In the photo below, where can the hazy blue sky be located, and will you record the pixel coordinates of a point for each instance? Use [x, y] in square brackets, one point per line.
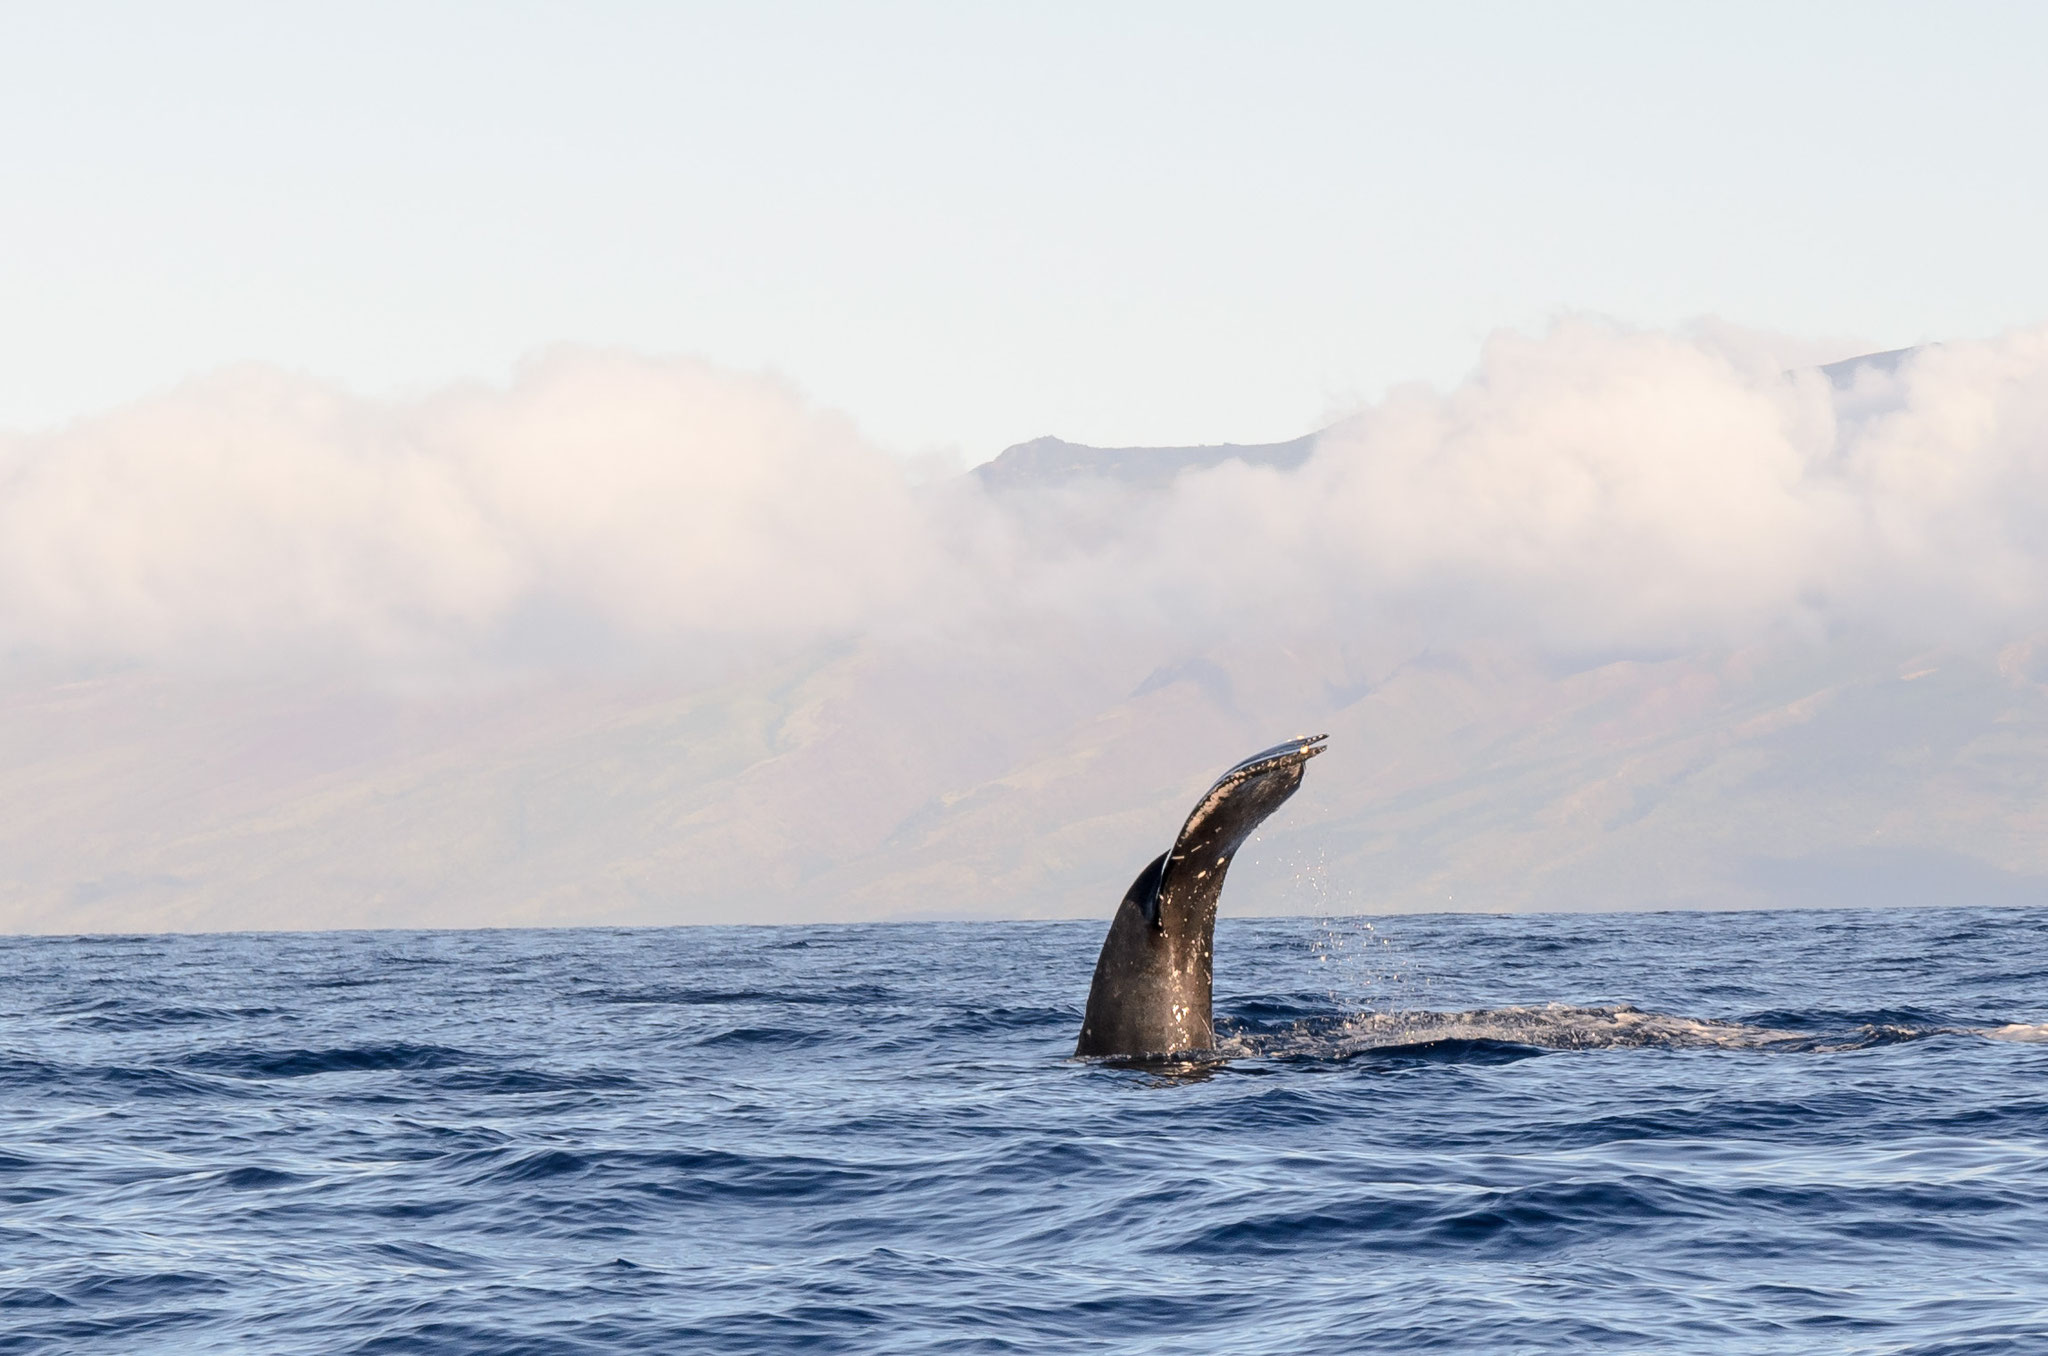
[970, 224]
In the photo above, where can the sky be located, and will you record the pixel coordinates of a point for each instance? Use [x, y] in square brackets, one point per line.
[490, 464]
[962, 226]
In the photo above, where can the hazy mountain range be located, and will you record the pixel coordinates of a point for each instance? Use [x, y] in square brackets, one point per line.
[889, 774]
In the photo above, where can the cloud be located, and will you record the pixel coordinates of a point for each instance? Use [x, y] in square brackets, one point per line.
[262, 518]
[1604, 488]
[1592, 487]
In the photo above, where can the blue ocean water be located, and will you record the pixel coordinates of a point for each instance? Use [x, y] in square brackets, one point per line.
[1760, 1132]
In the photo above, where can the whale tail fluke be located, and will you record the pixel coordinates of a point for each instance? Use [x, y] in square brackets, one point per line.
[1151, 993]
[1241, 800]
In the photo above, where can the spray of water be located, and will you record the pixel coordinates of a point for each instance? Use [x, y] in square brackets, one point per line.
[1364, 967]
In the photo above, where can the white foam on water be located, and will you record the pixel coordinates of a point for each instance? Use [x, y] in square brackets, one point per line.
[2024, 1032]
[1550, 1026]
[1564, 1026]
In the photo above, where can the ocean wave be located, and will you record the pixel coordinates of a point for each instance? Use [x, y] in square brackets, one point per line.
[264, 1062]
[680, 1140]
[114, 1015]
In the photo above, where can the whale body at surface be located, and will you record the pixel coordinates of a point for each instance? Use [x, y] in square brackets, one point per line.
[1151, 994]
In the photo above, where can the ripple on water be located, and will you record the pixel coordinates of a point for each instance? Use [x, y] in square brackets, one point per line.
[1670, 1133]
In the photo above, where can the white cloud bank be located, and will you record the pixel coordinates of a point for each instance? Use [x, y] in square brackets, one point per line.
[258, 518]
[1593, 488]
[1601, 489]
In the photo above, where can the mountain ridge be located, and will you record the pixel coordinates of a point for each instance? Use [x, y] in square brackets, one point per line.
[1047, 461]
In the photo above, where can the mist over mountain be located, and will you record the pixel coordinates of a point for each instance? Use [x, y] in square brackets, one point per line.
[1626, 620]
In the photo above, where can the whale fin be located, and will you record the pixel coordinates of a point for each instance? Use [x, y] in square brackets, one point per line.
[1151, 993]
[1231, 811]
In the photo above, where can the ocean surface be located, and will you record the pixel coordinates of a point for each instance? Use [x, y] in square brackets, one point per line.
[1757, 1132]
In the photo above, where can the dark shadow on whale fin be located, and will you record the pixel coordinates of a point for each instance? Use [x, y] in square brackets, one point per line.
[1144, 892]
